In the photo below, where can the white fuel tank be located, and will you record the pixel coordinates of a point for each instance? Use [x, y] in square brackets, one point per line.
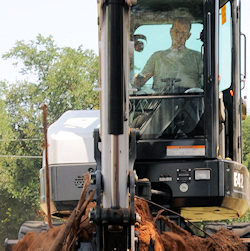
[70, 138]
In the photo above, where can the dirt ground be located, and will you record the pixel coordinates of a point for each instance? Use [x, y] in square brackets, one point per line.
[179, 239]
[176, 240]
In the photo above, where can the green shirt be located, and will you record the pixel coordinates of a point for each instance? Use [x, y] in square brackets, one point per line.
[184, 65]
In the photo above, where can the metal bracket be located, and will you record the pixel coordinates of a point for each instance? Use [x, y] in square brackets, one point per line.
[97, 179]
[131, 178]
[97, 153]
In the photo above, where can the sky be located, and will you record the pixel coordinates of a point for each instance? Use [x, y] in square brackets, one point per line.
[71, 23]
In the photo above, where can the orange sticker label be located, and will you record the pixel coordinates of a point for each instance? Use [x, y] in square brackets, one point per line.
[224, 14]
[181, 147]
[193, 150]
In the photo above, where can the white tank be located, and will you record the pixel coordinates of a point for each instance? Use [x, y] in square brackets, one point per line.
[70, 138]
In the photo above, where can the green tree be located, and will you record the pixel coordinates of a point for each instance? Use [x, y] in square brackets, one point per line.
[65, 78]
[70, 82]
[36, 56]
[18, 200]
[246, 142]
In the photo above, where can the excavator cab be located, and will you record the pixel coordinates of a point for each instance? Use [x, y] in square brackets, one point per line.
[185, 102]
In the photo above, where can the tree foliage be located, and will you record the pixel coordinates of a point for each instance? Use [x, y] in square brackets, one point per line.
[246, 142]
[36, 56]
[65, 78]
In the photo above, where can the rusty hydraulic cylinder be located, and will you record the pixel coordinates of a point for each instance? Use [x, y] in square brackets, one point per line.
[46, 165]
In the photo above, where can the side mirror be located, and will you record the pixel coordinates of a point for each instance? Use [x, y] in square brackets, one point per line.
[243, 109]
[140, 41]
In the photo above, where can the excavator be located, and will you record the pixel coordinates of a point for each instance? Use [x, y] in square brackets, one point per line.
[169, 125]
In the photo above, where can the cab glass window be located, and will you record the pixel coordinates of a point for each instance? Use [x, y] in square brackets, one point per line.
[166, 69]
[225, 47]
[151, 39]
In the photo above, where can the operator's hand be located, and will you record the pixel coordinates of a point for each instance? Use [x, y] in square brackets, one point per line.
[138, 80]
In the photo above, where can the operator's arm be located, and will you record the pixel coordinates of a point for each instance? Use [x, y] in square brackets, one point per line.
[140, 79]
[147, 72]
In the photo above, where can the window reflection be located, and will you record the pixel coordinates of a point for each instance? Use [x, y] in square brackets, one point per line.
[168, 118]
[172, 66]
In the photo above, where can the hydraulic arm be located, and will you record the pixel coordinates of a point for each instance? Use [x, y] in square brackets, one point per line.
[116, 217]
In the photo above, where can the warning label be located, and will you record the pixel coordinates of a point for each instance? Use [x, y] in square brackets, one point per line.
[195, 150]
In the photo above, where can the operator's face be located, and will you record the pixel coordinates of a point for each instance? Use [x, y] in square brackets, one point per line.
[180, 33]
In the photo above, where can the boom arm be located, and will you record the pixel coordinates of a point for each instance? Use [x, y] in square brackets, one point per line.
[116, 218]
